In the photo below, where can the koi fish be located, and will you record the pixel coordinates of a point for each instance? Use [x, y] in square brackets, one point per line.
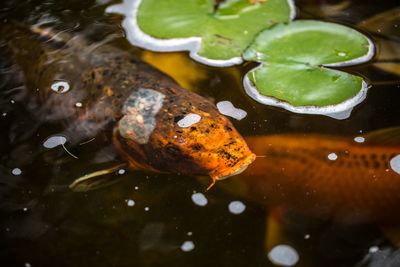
[327, 176]
[93, 88]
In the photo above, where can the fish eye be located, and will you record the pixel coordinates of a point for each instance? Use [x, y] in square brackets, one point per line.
[60, 87]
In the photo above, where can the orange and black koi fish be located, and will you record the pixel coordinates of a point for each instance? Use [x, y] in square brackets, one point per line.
[327, 176]
[95, 87]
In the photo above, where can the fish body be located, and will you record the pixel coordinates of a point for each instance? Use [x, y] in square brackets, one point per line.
[95, 87]
[325, 176]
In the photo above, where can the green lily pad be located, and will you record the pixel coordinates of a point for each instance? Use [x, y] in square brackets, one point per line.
[294, 73]
[215, 35]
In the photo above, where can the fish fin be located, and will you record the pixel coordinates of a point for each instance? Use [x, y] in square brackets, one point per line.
[96, 180]
[212, 184]
[387, 136]
[273, 228]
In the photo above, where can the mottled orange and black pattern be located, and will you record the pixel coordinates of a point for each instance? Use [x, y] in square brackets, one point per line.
[102, 78]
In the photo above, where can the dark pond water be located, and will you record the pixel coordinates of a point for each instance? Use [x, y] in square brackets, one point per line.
[169, 220]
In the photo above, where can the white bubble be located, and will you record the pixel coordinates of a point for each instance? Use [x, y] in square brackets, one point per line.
[199, 199]
[136, 187]
[16, 171]
[189, 120]
[332, 156]
[359, 139]
[60, 87]
[307, 236]
[78, 104]
[187, 246]
[4, 114]
[283, 255]
[236, 207]
[227, 108]
[395, 164]
[130, 203]
[55, 140]
[121, 171]
[146, 208]
[373, 249]
[25, 209]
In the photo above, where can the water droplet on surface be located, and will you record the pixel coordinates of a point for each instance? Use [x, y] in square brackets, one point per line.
[55, 140]
[332, 156]
[227, 108]
[373, 249]
[60, 87]
[395, 164]
[121, 171]
[130, 203]
[236, 207]
[78, 104]
[283, 255]
[359, 139]
[199, 199]
[342, 54]
[189, 120]
[16, 171]
[187, 246]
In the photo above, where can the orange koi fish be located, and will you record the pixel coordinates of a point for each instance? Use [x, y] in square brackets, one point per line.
[101, 88]
[328, 176]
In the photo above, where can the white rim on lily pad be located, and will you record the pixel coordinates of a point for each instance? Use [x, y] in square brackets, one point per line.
[340, 111]
[137, 37]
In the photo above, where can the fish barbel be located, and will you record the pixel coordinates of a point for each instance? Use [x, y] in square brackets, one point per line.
[327, 176]
[96, 87]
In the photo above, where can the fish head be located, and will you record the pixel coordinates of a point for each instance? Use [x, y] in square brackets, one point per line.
[180, 133]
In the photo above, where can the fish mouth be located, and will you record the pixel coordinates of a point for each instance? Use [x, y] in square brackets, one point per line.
[218, 175]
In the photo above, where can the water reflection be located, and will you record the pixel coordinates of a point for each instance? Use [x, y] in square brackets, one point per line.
[199, 199]
[228, 109]
[187, 246]
[236, 207]
[395, 164]
[283, 255]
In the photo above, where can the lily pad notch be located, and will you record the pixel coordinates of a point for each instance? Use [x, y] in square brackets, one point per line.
[192, 22]
[296, 68]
